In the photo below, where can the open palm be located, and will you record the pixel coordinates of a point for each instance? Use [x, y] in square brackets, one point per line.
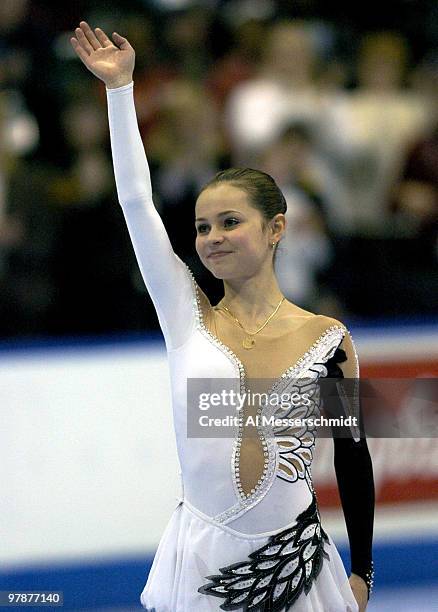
[112, 62]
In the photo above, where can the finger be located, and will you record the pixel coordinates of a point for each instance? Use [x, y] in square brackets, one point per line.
[91, 36]
[103, 38]
[82, 54]
[121, 42]
[83, 41]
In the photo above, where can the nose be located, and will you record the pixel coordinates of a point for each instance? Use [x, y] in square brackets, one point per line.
[215, 236]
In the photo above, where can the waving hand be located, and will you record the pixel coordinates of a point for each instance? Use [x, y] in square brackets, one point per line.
[112, 62]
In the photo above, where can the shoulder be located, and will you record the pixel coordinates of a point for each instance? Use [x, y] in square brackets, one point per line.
[326, 323]
[312, 318]
[323, 324]
[312, 324]
[350, 367]
[318, 325]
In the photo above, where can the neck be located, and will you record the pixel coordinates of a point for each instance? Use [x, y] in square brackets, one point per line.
[252, 300]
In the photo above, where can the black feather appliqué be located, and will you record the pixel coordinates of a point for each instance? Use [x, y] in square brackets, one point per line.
[278, 572]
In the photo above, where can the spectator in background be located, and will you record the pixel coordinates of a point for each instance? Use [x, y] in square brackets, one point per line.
[414, 203]
[285, 89]
[25, 284]
[366, 134]
[90, 235]
[356, 177]
[154, 69]
[186, 149]
[414, 212]
[240, 62]
[188, 41]
[11, 230]
[28, 230]
[28, 70]
[20, 134]
[306, 250]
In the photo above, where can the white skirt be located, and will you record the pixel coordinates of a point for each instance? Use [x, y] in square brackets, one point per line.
[193, 547]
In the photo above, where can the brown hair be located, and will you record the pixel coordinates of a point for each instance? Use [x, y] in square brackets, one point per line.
[264, 193]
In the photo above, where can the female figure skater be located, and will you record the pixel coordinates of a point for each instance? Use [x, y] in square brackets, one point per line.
[247, 534]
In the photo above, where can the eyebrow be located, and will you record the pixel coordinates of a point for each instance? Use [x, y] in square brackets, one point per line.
[226, 212]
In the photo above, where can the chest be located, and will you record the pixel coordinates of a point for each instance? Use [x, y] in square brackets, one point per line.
[267, 354]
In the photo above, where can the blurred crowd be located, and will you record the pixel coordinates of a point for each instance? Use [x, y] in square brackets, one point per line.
[342, 112]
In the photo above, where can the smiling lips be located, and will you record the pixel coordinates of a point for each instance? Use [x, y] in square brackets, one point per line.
[218, 254]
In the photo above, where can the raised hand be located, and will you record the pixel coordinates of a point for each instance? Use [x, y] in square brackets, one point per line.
[112, 62]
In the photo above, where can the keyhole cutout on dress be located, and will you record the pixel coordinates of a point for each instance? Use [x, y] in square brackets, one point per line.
[276, 351]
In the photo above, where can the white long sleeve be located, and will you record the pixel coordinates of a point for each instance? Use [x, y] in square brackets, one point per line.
[166, 277]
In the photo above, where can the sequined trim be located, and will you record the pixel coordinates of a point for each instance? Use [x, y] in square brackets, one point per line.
[369, 579]
[325, 341]
[245, 501]
[324, 346]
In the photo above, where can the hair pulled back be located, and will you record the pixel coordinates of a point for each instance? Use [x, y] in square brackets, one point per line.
[264, 193]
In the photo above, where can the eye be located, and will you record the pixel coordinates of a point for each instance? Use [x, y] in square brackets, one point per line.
[230, 221]
[202, 228]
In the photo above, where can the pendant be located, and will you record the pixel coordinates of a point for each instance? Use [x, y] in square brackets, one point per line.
[248, 342]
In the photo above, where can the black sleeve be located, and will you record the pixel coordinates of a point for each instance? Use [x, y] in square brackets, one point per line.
[354, 474]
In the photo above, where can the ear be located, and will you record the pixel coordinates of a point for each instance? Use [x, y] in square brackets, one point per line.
[278, 225]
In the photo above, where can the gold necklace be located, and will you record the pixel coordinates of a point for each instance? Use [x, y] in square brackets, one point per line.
[249, 341]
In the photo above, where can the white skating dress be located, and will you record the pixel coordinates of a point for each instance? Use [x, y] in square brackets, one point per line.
[225, 548]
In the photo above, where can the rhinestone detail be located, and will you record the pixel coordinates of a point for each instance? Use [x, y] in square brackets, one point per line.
[369, 579]
[246, 501]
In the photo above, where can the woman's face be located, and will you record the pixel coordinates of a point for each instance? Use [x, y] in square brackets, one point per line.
[231, 239]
